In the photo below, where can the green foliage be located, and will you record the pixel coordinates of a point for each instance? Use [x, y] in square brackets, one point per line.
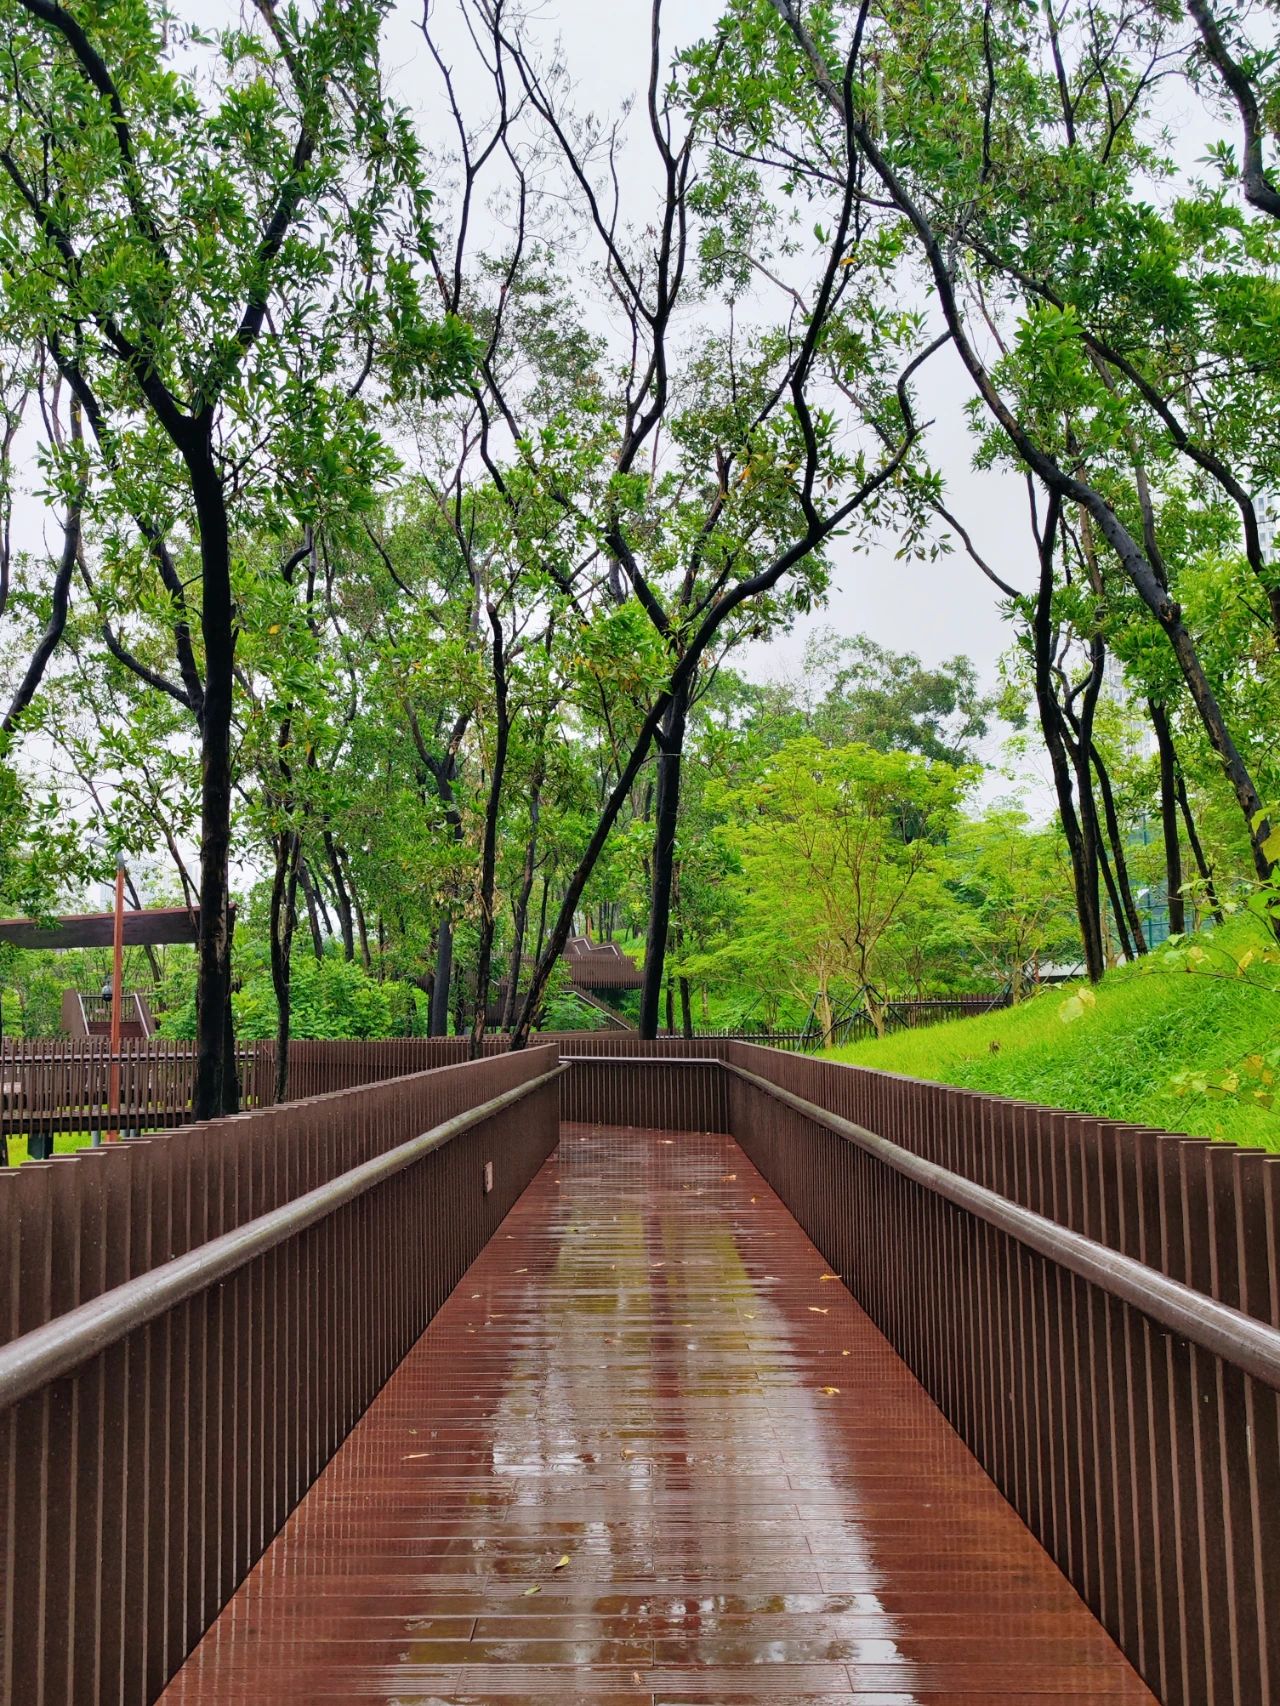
[1153, 1045]
[331, 997]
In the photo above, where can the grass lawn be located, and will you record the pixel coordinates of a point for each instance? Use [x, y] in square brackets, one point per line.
[1120, 1056]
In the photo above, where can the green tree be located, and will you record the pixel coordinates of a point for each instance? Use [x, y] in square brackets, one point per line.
[832, 844]
[214, 264]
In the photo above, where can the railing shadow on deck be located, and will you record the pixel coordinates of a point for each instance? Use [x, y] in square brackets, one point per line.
[1093, 1306]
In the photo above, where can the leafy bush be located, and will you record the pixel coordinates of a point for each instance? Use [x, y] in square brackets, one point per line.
[330, 998]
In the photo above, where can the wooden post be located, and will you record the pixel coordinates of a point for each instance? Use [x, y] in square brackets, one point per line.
[112, 1134]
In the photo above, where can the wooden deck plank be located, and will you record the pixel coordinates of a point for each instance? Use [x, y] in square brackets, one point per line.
[651, 1452]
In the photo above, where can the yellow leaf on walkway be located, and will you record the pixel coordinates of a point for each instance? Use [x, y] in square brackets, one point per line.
[831, 1391]
[562, 1561]
[534, 1589]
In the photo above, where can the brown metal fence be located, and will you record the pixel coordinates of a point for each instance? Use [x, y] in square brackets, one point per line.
[1028, 1285]
[675, 1092]
[198, 1320]
[61, 1086]
[1094, 1306]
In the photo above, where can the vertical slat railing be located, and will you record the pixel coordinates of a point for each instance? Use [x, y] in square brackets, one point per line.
[1147, 1464]
[160, 1416]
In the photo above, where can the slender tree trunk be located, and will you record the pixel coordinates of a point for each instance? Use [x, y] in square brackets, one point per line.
[342, 900]
[1084, 869]
[284, 912]
[442, 772]
[489, 850]
[215, 1091]
[439, 1022]
[826, 1018]
[1197, 850]
[671, 1011]
[686, 1010]
[1169, 818]
[542, 920]
[1121, 863]
[670, 743]
[1113, 895]
[520, 908]
[361, 929]
[313, 909]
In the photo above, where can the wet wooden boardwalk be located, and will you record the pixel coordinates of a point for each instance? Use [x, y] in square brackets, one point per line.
[651, 1451]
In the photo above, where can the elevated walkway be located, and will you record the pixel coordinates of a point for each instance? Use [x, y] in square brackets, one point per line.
[651, 1451]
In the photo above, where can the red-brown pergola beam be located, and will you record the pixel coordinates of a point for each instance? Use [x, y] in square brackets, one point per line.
[153, 927]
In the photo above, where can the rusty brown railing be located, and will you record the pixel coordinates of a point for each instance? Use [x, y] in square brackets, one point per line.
[1095, 1309]
[1094, 1306]
[659, 1092]
[60, 1086]
[196, 1322]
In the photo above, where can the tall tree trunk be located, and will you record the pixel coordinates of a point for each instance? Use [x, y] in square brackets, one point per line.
[1197, 850]
[213, 1093]
[542, 920]
[284, 913]
[489, 850]
[342, 900]
[1083, 866]
[520, 908]
[439, 1021]
[442, 772]
[1116, 837]
[1169, 818]
[686, 1010]
[670, 743]
[671, 1011]
[313, 909]
[361, 928]
[1113, 895]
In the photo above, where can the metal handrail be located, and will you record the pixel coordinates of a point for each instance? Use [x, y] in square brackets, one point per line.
[1249, 1345]
[47, 1353]
[640, 1060]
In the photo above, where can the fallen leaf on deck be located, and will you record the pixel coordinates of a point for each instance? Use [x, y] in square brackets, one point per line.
[534, 1589]
[747, 1317]
[828, 1276]
[562, 1561]
[831, 1391]
[411, 1455]
[814, 1310]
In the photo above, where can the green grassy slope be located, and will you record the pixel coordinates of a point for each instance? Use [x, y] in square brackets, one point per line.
[1119, 1058]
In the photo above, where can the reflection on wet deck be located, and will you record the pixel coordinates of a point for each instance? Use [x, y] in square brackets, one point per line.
[651, 1451]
